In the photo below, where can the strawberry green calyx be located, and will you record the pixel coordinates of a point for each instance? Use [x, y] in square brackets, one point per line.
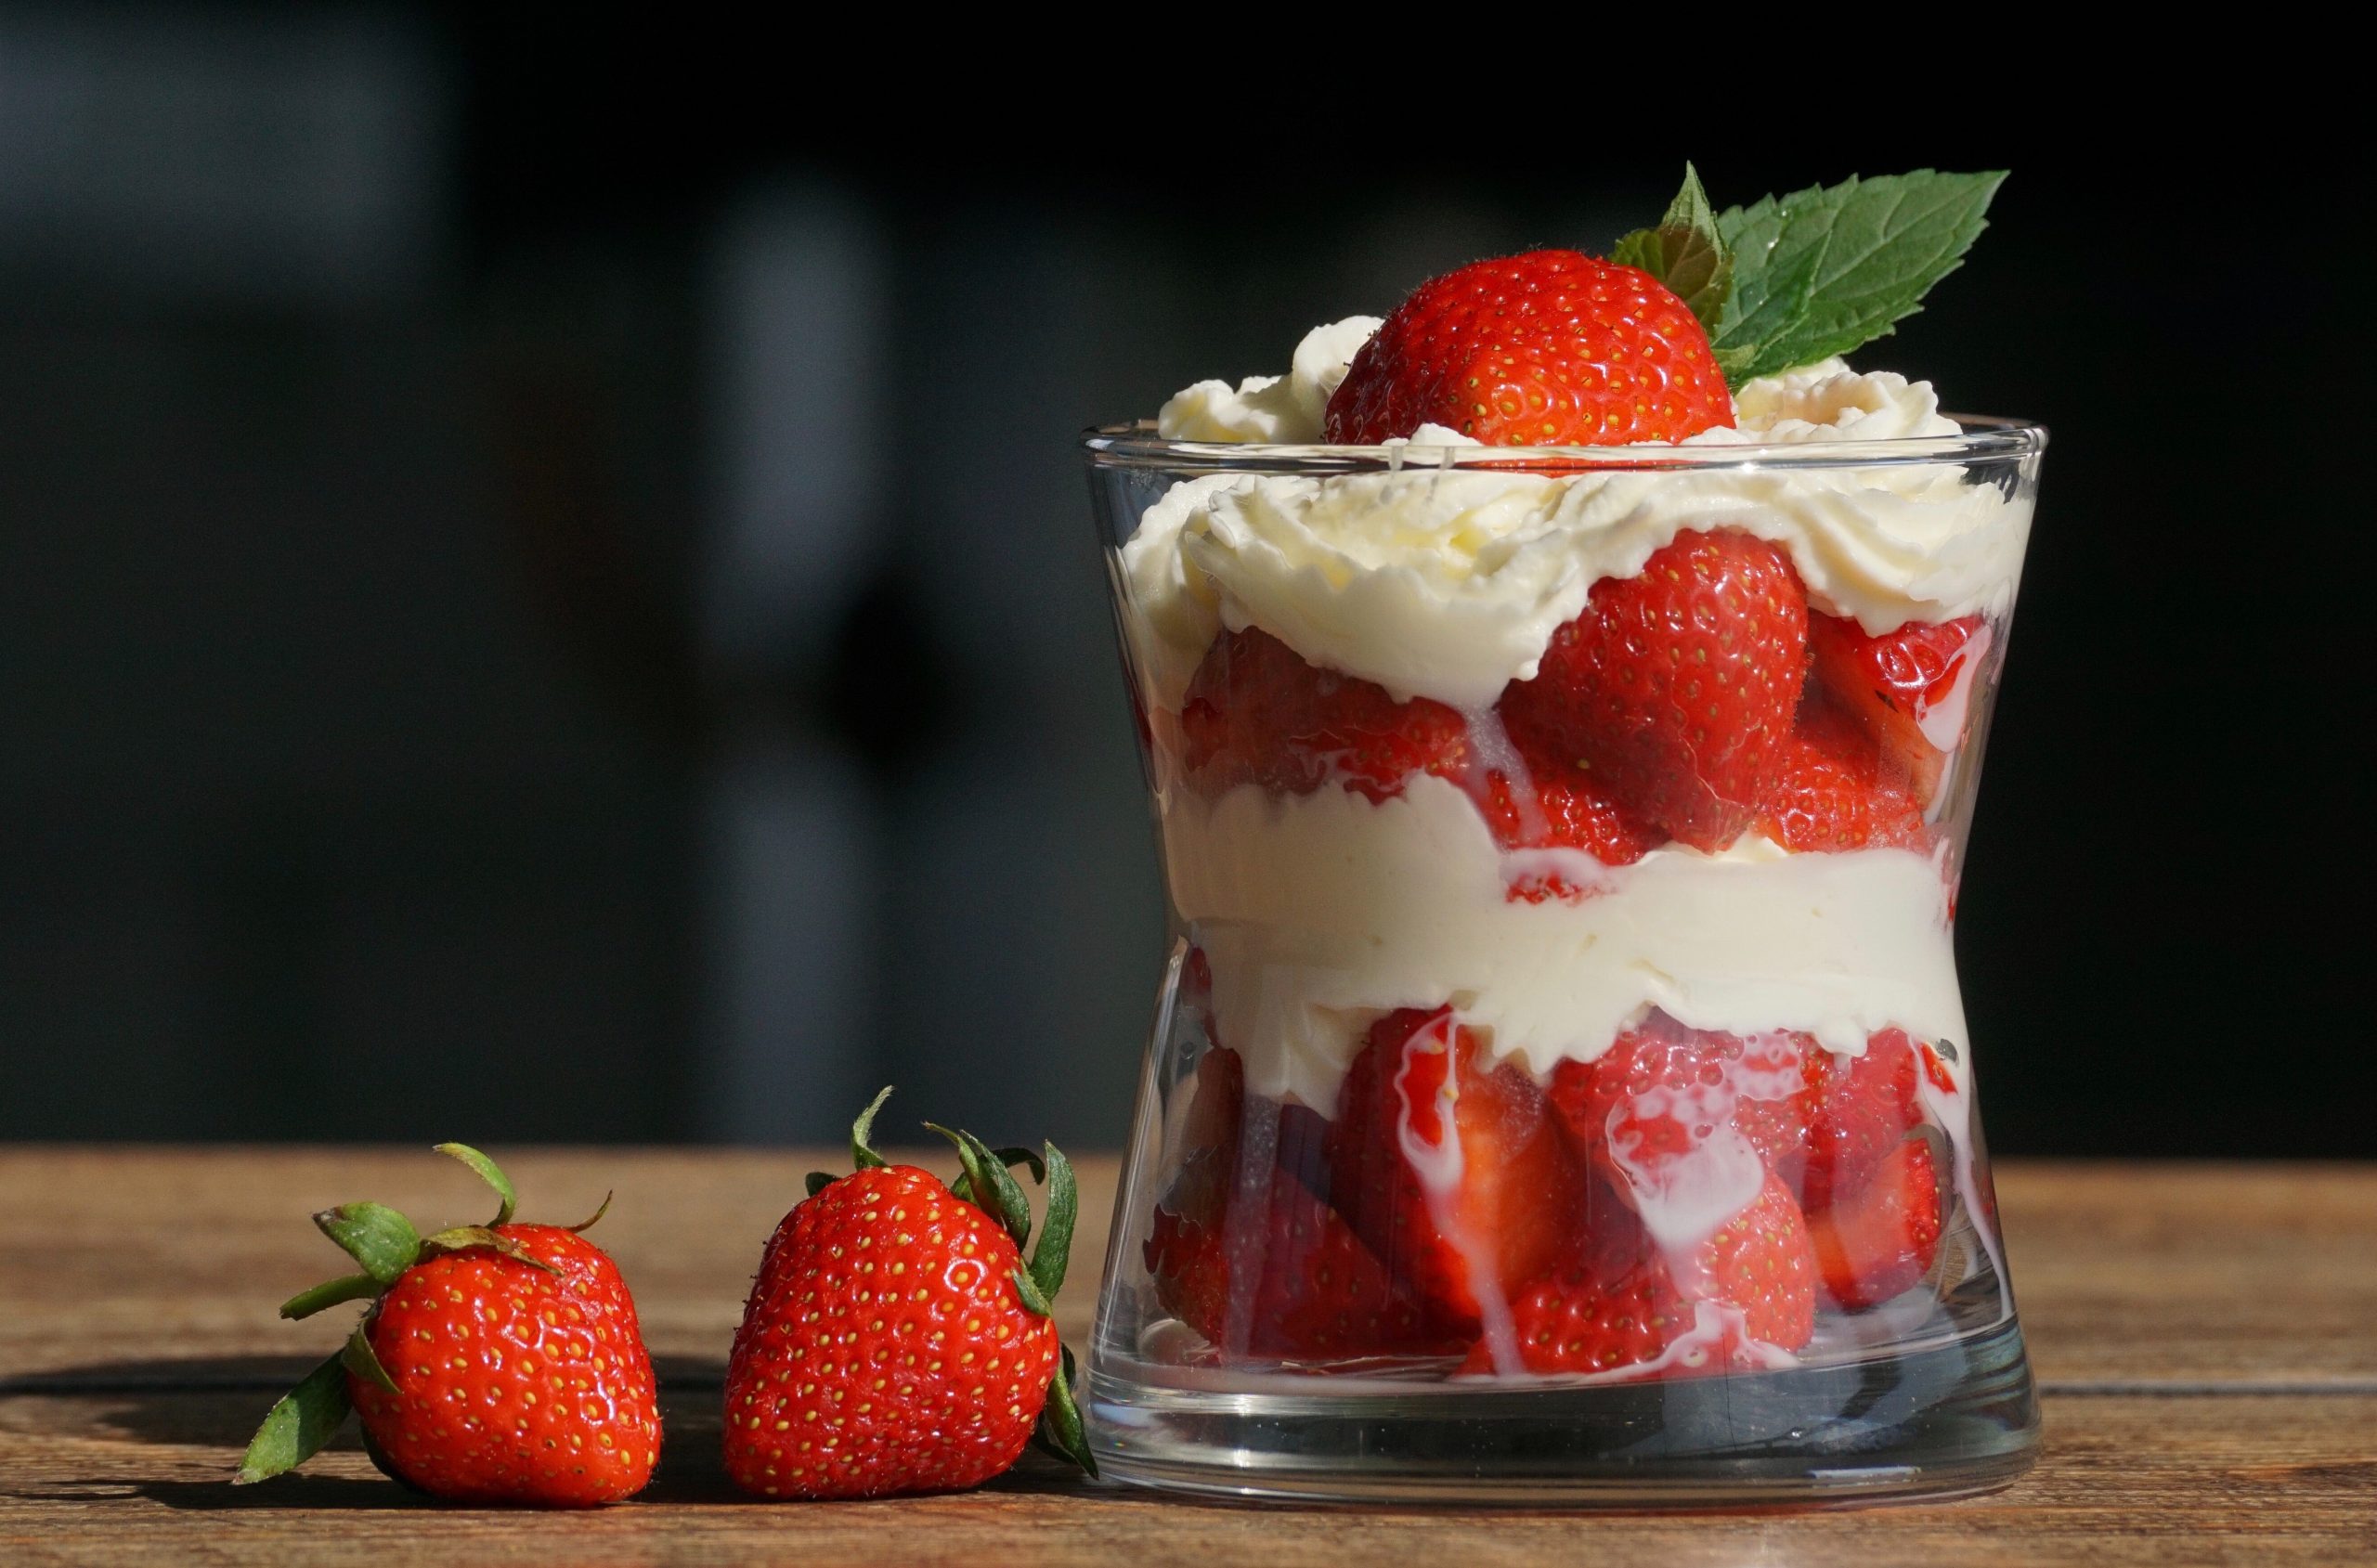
[1794, 280]
[383, 1244]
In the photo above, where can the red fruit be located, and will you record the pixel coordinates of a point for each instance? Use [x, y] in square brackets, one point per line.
[513, 1385]
[1908, 688]
[1880, 1242]
[1662, 1090]
[497, 1364]
[1676, 688]
[1509, 1188]
[1762, 1261]
[892, 1343]
[1597, 1314]
[1575, 1322]
[1864, 1108]
[1559, 808]
[1547, 349]
[1284, 1278]
[1831, 792]
[1257, 713]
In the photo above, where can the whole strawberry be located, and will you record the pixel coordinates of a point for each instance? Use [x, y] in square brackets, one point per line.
[1676, 688]
[498, 1364]
[896, 1338]
[1552, 348]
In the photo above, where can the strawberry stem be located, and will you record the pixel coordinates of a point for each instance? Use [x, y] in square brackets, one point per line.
[351, 1287]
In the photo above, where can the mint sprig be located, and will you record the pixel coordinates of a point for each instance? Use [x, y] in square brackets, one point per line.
[1686, 252]
[1800, 278]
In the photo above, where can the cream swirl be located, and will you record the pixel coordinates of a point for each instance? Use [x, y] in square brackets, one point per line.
[1448, 582]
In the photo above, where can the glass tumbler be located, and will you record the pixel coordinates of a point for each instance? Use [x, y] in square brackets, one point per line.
[1558, 1089]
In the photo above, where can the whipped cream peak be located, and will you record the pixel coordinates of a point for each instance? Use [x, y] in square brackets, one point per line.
[1275, 410]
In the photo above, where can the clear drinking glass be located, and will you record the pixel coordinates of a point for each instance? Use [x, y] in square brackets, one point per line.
[1484, 1151]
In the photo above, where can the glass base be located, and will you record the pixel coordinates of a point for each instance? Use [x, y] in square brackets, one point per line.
[1938, 1422]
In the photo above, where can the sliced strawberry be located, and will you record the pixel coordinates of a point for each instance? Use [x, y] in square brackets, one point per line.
[1663, 1090]
[1909, 689]
[1257, 713]
[1676, 688]
[1549, 348]
[1285, 1278]
[1864, 1108]
[1880, 1242]
[1831, 791]
[1439, 1159]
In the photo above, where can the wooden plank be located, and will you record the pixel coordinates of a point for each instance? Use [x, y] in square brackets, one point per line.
[115, 1260]
[2153, 1481]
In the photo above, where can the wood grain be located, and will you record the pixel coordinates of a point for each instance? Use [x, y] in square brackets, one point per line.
[137, 1347]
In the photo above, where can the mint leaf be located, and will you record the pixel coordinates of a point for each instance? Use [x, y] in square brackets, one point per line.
[1830, 268]
[1686, 252]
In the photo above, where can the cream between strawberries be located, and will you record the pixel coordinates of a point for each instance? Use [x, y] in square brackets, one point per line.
[1319, 912]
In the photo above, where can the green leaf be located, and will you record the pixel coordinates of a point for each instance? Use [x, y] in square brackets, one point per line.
[819, 1181]
[1060, 1432]
[382, 1242]
[360, 1359]
[507, 1202]
[1056, 1244]
[1011, 1158]
[1686, 252]
[1028, 1290]
[295, 1429]
[988, 1186]
[1828, 269]
[862, 1157]
[352, 1287]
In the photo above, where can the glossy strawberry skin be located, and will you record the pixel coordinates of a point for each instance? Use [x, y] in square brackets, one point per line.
[885, 1348]
[1520, 1189]
[513, 1384]
[1762, 1261]
[1879, 1241]
[1889, 685]
[1548, 348]
[1677, 688]
[1832, 791]
[1578, 1322]
[1559, 807]
[1257, 713]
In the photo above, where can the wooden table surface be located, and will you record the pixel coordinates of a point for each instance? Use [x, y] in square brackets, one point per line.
[2205, 1338]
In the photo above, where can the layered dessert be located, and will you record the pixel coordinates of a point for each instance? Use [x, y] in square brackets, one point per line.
[1562, 752]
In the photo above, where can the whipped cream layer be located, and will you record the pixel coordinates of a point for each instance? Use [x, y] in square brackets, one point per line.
[1322, 911]
[1449, 583]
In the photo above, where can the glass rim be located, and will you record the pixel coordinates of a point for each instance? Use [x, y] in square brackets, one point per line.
[1135, 444]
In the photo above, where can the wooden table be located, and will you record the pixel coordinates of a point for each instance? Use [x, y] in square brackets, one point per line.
[2206, 1338]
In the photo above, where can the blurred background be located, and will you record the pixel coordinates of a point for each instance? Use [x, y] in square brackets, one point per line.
[555, 595]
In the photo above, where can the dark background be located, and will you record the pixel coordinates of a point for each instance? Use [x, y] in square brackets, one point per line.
[545, 591]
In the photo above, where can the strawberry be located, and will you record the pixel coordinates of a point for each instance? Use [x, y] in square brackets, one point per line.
[1676, 688]
[1831, 791]
[1559, 807]
[1864, 1107]
[1661, 1090]
[1257, 713]
[1880, 1242]
[1909, 689]
[1283, 1277]
[1548, 349]
[897, 1339]
[497, 1364]
[1605, 1312]
[1420, 1109]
